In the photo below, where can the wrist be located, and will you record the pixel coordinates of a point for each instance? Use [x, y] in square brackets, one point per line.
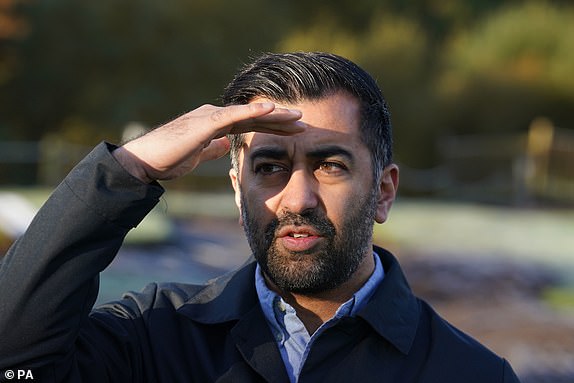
[132, 164]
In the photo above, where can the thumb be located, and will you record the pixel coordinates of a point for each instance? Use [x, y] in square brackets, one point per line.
[217, 148]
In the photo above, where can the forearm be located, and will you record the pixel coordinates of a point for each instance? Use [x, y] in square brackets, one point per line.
[48, 279]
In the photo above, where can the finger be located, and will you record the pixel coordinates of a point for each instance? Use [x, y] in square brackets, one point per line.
[234, 113]
[278, 128]
[280, 115]
[216, 149]
[281, 121]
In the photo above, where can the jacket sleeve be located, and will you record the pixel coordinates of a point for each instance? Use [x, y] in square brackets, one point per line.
[49, 277]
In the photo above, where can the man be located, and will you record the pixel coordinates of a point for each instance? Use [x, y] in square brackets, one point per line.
[312, 171]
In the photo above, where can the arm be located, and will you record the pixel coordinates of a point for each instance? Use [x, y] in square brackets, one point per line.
[49, 278]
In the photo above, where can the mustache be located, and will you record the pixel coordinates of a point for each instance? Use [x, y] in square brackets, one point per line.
[321, 224]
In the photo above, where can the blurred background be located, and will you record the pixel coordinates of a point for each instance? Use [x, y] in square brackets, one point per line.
[482, 100]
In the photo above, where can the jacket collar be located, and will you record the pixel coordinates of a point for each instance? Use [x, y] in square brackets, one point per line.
[225, 298]
[393, 311]
[233, 298]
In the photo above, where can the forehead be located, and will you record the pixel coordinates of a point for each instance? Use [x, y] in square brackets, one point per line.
[332, 120]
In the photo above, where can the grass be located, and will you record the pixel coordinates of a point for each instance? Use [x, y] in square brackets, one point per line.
[462, 229]
[414, 226]
[561, 297]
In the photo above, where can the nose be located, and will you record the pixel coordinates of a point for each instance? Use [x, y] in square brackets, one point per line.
[300, 193]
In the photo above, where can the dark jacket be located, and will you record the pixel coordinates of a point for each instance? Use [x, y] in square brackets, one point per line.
[191, 333]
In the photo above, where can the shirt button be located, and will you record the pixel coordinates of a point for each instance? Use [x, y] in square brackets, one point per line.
[281, 306]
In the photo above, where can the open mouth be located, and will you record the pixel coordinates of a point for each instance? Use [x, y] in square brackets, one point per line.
[299, 238]
[298, 232]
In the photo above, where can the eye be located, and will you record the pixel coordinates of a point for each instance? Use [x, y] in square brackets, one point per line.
[268, 169]
[332, 168]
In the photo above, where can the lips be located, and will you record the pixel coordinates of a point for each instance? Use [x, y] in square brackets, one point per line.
[298, 231]
[299, 238]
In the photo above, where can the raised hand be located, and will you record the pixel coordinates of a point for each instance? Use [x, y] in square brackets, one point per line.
[177, 147]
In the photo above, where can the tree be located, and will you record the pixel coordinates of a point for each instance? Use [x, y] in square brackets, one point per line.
[510, 68]
[88, 68]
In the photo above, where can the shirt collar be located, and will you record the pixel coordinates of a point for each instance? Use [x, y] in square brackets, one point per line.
[393, 311]
[268, 298]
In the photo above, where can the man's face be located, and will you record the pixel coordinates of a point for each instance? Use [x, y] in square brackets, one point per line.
[308, 202]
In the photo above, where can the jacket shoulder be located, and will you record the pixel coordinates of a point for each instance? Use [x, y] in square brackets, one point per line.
[154, 296]
[458, 355]
[219, 295]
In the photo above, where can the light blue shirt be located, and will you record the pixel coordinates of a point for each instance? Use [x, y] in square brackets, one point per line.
[290, 334]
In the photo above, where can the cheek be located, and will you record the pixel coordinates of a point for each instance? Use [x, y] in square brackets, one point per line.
[262, 206]
[338, 202]
[342, 202]
[265, 196]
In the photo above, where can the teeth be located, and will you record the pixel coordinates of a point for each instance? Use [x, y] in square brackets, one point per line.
[297, 235]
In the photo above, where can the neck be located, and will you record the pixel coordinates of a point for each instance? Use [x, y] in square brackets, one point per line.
[316, 309]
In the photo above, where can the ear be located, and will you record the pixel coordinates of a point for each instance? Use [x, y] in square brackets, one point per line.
[387, 192]
[235, 183]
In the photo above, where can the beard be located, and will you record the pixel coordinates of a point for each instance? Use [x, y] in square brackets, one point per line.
[329, 264]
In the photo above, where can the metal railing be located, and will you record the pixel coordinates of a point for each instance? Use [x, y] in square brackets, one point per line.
[518, 168]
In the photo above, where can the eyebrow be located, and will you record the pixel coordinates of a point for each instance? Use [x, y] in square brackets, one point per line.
[266, 152]
[322, 152]
[331, 151]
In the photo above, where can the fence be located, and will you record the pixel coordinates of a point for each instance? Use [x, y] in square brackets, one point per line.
[37, 162]
[519, 168]
[46, 163]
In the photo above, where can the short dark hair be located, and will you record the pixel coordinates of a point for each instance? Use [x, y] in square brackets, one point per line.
[296, 77]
